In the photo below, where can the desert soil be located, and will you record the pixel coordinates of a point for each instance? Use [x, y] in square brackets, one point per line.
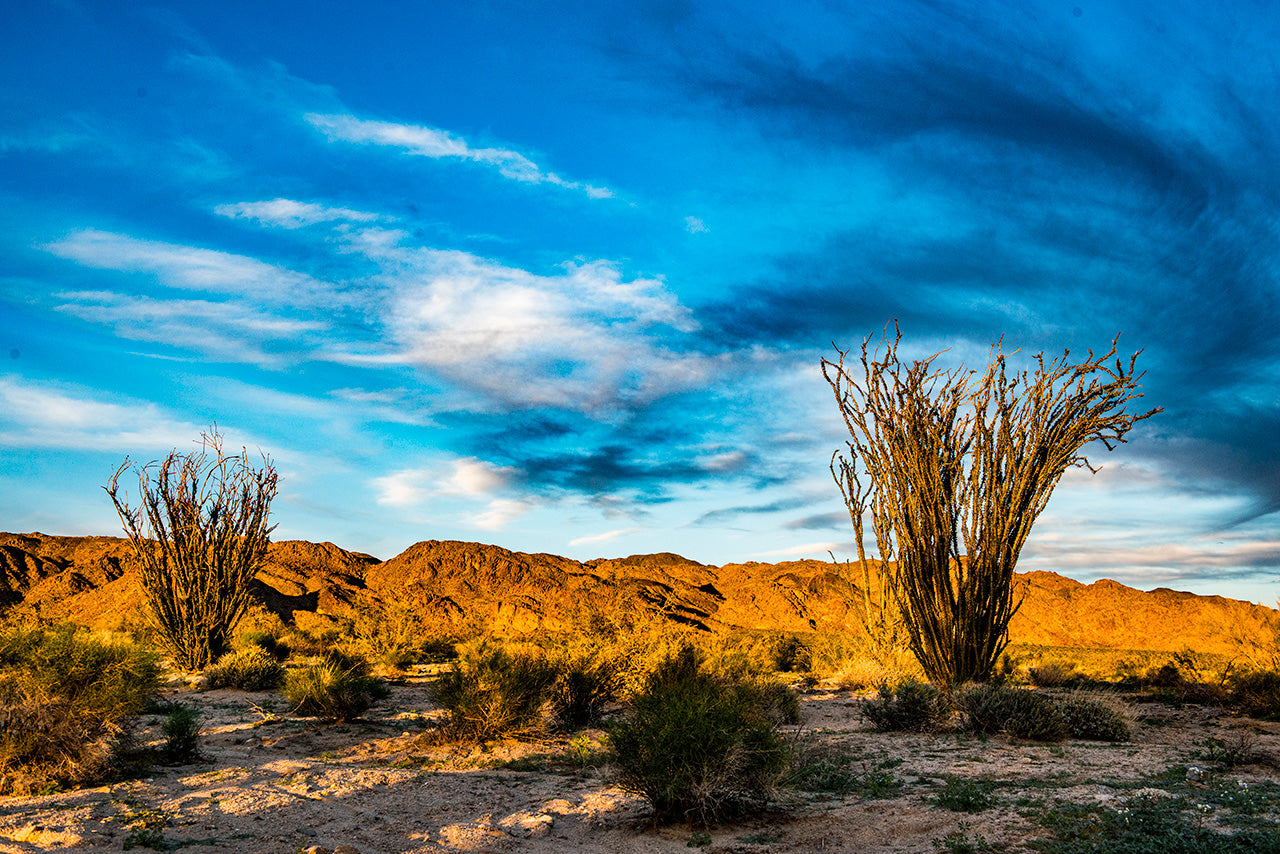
[274, 783]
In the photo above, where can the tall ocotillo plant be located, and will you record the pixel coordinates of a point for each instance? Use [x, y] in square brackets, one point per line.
[200, 531]
[957, 468]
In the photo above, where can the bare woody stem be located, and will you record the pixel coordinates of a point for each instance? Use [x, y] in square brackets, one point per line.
[958, 466]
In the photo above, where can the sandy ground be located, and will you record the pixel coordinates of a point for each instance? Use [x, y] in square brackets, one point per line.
[272, 783]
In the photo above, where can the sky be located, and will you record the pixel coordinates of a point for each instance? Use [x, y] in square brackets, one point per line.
[559, 276]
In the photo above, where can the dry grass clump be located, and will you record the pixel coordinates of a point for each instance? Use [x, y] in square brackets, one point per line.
[65, 702]
[699, 748]
[338, 687]
[249, 669]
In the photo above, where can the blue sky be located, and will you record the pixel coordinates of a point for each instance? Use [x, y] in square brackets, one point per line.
[559, 276]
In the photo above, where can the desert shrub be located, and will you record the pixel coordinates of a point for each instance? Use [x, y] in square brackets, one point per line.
[181, 730]
[250, 669]
[1035, 717]
[269, 642]
[696, 747]
[491, 693]
[988, 706]
[791, 655]
[65, 702]
[1165, 676]
[1053, 675]
[336, 688]
[583, 686]
[909, 706]
[1093, 720]
[1257, 694]
[961, 795]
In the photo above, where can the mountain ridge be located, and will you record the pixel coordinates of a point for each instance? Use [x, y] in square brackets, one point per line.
[454, 585]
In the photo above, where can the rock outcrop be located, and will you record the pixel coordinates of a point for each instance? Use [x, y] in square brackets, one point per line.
[93, 581]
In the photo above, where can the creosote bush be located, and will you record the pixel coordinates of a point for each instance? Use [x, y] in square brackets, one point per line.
[336, 688]
[491, 693]
[1257, 694]
[698, 748]
[181, 729]
[250, 669]
[66, 698]
[909, 706]
[1093, 720]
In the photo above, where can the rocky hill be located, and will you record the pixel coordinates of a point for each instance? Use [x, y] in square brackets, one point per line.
[93, 581]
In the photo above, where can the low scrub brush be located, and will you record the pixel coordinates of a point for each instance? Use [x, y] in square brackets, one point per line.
[337, 688]
[66, 698]
[1093, 720]
[490, 693]
[698, 748]
[583, 687]
[909, 706]
[250, 669]
[1035, 717]
[1257, 694]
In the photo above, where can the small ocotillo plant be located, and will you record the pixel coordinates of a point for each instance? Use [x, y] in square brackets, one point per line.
[953, 467]
[200, 532]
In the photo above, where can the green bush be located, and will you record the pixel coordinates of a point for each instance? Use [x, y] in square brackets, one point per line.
[490, 693]
[66, 698]
[337, 688]
[1035, 717]
[250, 669]
[181, 731]
[1257, 694]
[1053, 675]
[1090, 719]
[961, 795]
[269, 642]
[909, 706]
[696, 747]
[988, 706]
[583, 687]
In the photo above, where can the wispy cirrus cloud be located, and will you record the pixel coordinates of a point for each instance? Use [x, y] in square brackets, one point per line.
[190, 267]
[288, 213]
[48, 415]
[227, 331]
[424, 141]
[605, 537]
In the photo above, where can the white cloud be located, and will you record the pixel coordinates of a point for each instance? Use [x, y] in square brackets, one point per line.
[466, 477]
[585, 340]
[430, 142]
[476, 477]
[287, 213]
[500, 512]
[192, 268]
[813, 551]
[44, 415]
[603, 538]
[227, 331]
[693, 225]
[404, 488]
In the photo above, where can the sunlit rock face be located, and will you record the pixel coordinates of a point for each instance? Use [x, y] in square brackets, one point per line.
[462, 586]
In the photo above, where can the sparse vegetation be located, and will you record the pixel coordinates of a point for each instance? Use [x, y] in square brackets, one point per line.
[200, 532]
[909, 706]
[958, 460]
[66, 698]
[249, 669]
[491, 693]
[338, 687]
[181, 731]
[696, 747]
